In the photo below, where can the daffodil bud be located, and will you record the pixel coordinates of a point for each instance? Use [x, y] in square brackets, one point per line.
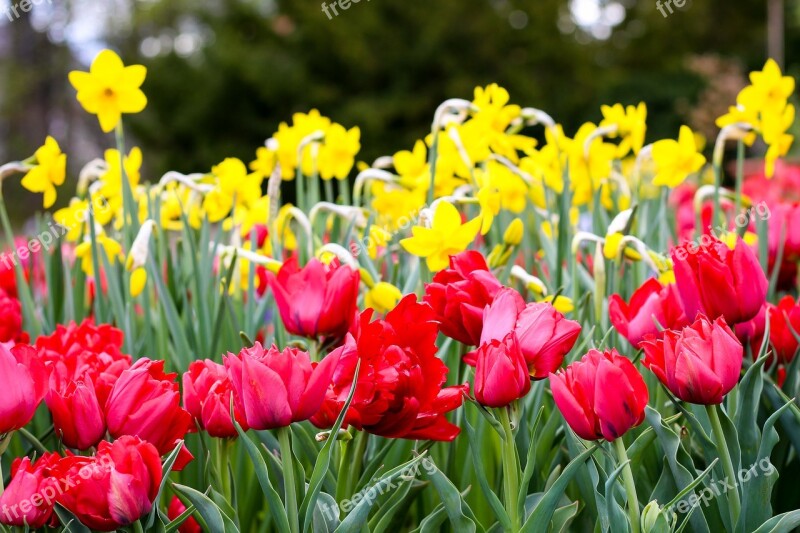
[383, 297]
[138, 281]
[514, 232]
[137, 256]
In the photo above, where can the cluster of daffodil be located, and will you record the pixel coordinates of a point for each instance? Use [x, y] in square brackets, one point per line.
[762, 107]
[478, 163]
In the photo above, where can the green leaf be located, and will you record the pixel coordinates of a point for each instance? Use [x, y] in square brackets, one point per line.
[71, 524]
[480, 472]
[206, 508]
[458, 511]
[542, 514]
[324, 459]
[273, 500]
[783, 523]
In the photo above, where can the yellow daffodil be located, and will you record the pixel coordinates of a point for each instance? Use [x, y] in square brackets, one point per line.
[105, 245]
[235, 182]
[489, 199]
[264, 163]
[110, 89]
[338, 153]
[511, 188]
[446, 236]
[288, 139]
[73, 218]
[110, 190]
[676, 160]
[382, 297]
[283, 229]
[49, 172]
[773, 129]
[631, 126]
[768, 90]
[396, 206]
[588, 168]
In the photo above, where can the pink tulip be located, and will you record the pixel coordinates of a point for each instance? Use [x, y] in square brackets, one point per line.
[274, 388]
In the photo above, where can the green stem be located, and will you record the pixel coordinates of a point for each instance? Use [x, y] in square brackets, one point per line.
[345, 452]
[630, 486]
[727, 464]
[290, 492]
[223, 457]
[739, 177]
[510, 471]
[137, 527]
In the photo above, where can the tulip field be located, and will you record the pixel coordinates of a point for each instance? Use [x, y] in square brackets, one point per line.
[505, 327]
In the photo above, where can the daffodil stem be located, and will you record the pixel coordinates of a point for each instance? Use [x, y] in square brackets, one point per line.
[290, 491]
[739, 176]
[630, 486]
[732, 491]
[510, 471]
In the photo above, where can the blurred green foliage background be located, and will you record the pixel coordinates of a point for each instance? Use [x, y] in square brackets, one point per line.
[224, 73]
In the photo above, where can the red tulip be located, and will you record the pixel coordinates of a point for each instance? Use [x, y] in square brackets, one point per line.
[30, 497]
[698, 364]
[650, 303]
[784, 324]
[85, 352]
[113, 489]
[23, 382]
[145, 402]
[11, 319]
[501, 373]
[459, 294]
[400, 391]
[318, 300]
[77, 416]
[177, 508]
[717, 281]
[274, 388]
[600, 396]
[207, 396]
[543, 334]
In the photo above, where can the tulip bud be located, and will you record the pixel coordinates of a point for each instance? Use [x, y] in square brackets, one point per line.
[501, 374]
[653, 519]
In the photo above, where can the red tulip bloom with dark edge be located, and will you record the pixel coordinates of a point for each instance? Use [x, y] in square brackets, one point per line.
[719, 282]
[650, 303]
[117, 486]
[23, 382]
[78, 419]
[207, 393]
[317, 300]
[459, 294]
[29, 479]
[543, 334]
[600, 396]
[501, 373]
[145, 402]
[400, 391]
[784, 324]
[700, 363]
[275, 388]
